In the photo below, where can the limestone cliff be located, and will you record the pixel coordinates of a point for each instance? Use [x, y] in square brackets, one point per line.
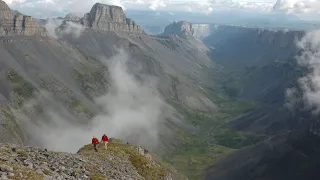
[12, 23]
[109, 18]
[182, 28]
[201, 30]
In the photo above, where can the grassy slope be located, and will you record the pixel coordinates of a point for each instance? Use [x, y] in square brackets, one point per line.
[158, 170]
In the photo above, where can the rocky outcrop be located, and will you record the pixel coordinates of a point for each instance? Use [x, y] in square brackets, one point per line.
[120, 161]
[109, 18]
[72, 17]
[201, 30]
[14, 23]
[182, 28]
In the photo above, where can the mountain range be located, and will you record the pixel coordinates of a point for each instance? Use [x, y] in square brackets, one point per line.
[215, 108]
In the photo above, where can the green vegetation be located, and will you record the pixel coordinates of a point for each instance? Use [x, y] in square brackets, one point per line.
[232, 87]
[27, 173]
[174, 78]
[98, 176]
[23, 89]
[142, 163]
[92, 81]
[14, 77]
[10, 122]
[78, 106]
[192, 160]
[214, 140]
[46, 172]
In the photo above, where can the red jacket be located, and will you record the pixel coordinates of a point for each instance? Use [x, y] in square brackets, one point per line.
[105, 138]
[95, 141]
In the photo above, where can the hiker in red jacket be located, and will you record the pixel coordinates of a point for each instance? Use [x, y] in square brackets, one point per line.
[95, 142]
[105, 140]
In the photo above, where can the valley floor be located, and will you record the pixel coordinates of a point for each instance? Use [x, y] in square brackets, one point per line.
[216, 139]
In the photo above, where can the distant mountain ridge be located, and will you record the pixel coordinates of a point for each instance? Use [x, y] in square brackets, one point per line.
[251, 46]
[101, 17]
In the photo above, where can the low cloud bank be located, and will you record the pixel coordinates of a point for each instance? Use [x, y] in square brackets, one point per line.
[131, 110]
[54, 28]
[309, 85]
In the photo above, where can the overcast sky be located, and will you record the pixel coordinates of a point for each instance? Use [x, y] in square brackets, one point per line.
[58, 7]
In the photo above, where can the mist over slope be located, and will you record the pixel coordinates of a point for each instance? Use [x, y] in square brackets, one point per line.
[83, 79]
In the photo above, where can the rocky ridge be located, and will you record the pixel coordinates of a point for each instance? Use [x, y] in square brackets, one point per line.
[282, 38]
[72, 17]
[103, 17]
[120, 161]
[181, 28]
[13, 23]
[253, 47]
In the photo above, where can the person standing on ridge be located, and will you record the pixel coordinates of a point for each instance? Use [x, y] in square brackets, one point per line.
[105, 140]
[95, 142]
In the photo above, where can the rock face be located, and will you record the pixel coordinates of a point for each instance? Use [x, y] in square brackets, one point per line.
[250, 46]
[12, 23]
[280, 38]
[201, 30]
[181, 28]
[109, 18]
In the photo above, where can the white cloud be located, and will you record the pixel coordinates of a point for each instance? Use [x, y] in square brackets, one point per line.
[297, 6]
[12, 1]
[205, 6]
[211, 5]
[157, 4]
[262, 6]
[310, 59]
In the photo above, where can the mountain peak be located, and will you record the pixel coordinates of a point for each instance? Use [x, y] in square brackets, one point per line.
[13, 23]
[181, 28]
[73, 16]
[109, 18]
[3, 6]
